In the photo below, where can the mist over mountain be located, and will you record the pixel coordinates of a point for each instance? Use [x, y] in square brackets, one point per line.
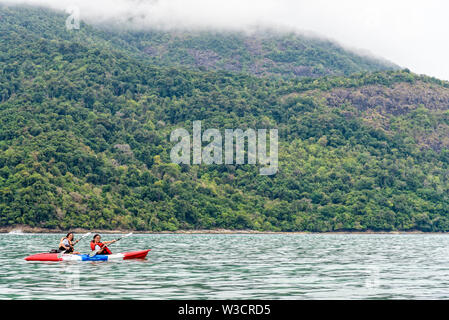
[86, 117]
[190, 17]
[407, 32]
[261, 52]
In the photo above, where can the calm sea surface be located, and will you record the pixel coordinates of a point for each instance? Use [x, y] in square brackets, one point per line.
[317, 266]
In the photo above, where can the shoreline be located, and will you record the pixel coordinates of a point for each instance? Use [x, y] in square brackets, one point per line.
[29, 230]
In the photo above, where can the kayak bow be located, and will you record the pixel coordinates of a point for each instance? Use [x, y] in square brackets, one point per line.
[85, 257]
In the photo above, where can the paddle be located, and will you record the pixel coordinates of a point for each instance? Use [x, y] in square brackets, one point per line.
[82, 237]
[93, 253]
[85, 235]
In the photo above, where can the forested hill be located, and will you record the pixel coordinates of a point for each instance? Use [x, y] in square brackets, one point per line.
[84, 141]
[262, 52]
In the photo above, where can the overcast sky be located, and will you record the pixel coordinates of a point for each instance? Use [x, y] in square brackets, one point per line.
[411, 33]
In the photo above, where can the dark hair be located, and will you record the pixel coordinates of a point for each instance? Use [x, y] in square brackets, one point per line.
[68, 234]
[93, 239]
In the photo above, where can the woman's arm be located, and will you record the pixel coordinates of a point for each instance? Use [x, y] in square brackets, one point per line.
[63, 245]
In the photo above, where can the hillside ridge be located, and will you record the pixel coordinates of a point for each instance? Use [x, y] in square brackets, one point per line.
[85, 142]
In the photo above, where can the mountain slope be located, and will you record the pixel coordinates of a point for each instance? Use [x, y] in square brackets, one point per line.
[260, 53]
[85, 127]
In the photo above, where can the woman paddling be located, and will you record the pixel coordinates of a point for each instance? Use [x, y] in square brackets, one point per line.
[100, 247]
[66, 244]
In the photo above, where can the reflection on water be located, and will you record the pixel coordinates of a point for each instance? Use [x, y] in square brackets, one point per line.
[317, 266]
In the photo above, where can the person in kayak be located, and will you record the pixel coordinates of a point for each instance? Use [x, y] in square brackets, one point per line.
[100, 247]
[67, 244]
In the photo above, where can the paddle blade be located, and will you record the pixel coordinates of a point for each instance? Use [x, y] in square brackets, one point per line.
[94, 253]
[126, 235]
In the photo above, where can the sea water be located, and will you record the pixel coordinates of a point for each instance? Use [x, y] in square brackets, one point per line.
[235, 266]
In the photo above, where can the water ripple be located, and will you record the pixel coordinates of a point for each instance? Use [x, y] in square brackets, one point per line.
[316, 266]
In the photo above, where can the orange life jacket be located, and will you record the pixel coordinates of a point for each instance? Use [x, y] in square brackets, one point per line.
[101, 245]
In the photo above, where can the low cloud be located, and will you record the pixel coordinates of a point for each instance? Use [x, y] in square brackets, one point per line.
[411, 33]
[223, 14]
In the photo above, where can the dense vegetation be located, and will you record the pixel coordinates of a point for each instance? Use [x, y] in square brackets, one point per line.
[261, 53]
[85, 121]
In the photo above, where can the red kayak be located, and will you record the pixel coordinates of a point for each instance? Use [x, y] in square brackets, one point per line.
[85, 257]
